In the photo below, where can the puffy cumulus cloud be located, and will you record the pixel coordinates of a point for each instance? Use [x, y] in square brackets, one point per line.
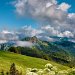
[49, 31]
[26, 31]
[29, 31]
[44, 33]
[71, 15]
[6, 32]
[3, 41]
[20, 6]
[44, 9]
[33, 7]
[64, 6]
[71, 22]
[7, 35]
[53, 14]
[55, 17]
[66, 34]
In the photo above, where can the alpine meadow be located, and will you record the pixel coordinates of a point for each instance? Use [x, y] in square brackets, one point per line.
[37, 37]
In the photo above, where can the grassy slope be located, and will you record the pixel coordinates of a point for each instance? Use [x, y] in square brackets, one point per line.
[22, 62]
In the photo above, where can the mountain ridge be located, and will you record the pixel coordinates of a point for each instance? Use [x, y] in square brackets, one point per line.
[52, 49]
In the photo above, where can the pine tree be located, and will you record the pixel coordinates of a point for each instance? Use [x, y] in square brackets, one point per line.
[13, 69]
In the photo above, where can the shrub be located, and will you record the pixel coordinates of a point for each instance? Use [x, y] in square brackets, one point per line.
[13, 49]
[34, 70]
[49, 66]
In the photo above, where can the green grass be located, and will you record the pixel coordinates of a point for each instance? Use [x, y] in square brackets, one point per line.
[22, 62]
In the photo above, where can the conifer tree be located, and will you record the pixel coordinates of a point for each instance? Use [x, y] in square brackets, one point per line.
[13, 69]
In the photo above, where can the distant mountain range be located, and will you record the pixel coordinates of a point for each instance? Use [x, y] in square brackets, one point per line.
[60, 42]
[59, 49]
[66, 44]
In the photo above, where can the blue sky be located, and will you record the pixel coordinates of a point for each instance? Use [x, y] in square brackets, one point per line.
[9, 20]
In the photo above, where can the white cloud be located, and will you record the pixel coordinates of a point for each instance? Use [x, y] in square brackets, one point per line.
[68, 34]
[7, 35]
[71, 15]
[33, 7]
[64, 6]
[49, 31]
[44, 33]
[3, 41]
[6, 32]
[29, 31]
[23, 43]
[55, 17]
[42, 10]
[20, 6]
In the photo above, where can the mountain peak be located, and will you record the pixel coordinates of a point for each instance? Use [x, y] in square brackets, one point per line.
[33, 39]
